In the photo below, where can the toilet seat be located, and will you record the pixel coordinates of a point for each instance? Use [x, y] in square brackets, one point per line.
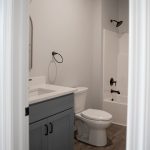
[97, 115]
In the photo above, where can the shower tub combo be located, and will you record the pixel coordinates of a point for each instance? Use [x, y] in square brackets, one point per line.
[115, 73]
[118, 108]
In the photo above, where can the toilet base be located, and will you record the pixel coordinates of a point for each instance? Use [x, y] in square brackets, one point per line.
[95, 138]
[98, 137]
[91, 132]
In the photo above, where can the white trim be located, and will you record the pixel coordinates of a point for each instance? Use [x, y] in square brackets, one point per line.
[138, 134]
[13, 74]
[5, 74]
[20, 74]
[1, 77]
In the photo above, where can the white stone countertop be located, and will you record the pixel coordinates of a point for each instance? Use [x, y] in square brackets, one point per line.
[55, 91]
[40, 91]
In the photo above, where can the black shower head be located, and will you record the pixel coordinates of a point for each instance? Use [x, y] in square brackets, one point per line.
[118, 23]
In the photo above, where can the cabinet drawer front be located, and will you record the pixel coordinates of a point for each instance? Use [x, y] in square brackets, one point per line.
[50, 107]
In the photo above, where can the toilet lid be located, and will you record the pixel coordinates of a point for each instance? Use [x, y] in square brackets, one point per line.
[95, 114]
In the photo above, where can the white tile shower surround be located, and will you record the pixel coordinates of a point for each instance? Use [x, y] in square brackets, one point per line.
[122, 65]
[118, 111]
[110, 50]
[115, 47]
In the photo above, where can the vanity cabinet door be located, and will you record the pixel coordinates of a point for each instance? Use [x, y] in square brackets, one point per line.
[39, 135]
[61, 128]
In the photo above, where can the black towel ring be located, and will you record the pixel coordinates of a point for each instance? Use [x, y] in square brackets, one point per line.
[54, 53]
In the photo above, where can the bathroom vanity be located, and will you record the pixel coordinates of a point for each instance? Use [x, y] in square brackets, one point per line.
[51, 118]
[52, 124]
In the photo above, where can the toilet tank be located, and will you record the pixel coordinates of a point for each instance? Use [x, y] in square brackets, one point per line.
[80, 99]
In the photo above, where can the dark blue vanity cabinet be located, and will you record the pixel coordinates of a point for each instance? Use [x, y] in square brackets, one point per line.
[52, 124]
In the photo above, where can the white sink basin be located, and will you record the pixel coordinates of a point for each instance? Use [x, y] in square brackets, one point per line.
[39, 91]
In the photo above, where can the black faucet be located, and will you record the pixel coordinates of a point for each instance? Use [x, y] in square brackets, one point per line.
[113, 91]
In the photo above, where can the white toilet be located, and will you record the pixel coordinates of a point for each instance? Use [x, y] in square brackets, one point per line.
[91, 124]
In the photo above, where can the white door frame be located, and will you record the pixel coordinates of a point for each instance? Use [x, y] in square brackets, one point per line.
[138, 134]
[13, 74]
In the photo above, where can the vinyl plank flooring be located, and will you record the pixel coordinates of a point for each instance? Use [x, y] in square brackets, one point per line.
[116, 140]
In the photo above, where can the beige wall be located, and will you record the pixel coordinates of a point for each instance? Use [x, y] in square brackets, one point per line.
[124, 15]
[118, 10]
[110, 11]
[73, 28]
[97, 66]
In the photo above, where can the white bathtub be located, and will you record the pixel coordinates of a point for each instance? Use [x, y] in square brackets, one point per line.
[118, 109]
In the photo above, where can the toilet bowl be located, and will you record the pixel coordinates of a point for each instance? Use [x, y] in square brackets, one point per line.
[91, 124]
[95, 133]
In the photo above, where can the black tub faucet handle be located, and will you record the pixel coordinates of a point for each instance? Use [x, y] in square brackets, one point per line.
[112, 81]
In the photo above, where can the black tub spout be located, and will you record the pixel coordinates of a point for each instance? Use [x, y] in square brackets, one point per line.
[113, 91]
